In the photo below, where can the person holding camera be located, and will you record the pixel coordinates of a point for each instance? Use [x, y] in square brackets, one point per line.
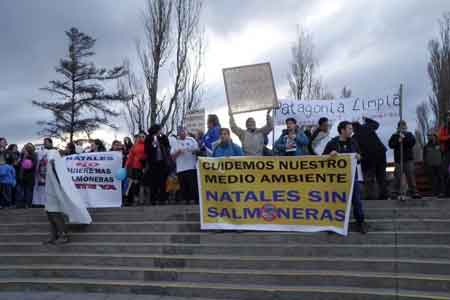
[406, 140]
[293, 141]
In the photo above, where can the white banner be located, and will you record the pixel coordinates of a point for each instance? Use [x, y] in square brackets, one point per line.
[308, 112]
[383, 109]
[195, 121]
[250, 88]
[94, 176]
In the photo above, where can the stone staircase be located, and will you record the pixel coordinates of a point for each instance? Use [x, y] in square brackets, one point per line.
[160, 253]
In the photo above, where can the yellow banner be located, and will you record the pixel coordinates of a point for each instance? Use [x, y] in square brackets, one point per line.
[308, 193]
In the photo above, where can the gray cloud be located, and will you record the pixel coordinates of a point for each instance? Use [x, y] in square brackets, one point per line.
[369, 46]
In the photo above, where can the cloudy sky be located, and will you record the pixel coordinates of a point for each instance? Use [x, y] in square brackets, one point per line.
[370, 46]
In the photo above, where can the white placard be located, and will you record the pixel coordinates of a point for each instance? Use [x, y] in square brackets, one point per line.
[250, 88]
[195, 121]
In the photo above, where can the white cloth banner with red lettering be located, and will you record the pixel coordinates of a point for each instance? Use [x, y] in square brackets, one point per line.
[94, 176]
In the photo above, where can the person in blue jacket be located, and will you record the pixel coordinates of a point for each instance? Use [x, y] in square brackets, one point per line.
[211, 138]
[226, 147]
[293, 141]
[7, 183]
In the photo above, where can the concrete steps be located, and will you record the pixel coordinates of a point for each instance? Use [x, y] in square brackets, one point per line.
[424, 282]
[388, 264]
[374, 237]
[161, 252]
[38, 216]
[37, 295]
[400, 224]
[320, 250]
[217, 290]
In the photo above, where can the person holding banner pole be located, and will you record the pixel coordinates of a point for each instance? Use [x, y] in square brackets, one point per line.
[292, 141]
[64, 201]
[403, 140]
[252, 138]
[345, 144]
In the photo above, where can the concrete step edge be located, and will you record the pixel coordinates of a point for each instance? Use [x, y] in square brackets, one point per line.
[399, 220]
[226, 233]
[233, 257]
[235, 245]
[274, 272]
[257, 288]
[40, 295]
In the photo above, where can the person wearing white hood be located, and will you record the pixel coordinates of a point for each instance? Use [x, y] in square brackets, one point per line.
[63, 200]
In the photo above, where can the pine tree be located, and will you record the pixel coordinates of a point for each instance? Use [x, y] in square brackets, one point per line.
[82, 104]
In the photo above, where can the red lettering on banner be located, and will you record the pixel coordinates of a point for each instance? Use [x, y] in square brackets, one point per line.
[108, 187]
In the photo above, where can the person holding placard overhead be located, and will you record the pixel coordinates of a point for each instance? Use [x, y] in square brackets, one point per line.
[252, 138]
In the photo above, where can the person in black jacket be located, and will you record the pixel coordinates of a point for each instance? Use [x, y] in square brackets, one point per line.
[373, 155]
[344, 143]
[404, 138]
[157, 150]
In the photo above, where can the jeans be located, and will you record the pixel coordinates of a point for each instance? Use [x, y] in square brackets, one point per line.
[24, 195]
[409, 171]
[358, 212]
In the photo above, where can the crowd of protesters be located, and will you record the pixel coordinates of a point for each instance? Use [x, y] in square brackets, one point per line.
[158, 164]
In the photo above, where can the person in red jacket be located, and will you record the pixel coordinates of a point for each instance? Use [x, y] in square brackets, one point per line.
[135, 165]
[444, 141]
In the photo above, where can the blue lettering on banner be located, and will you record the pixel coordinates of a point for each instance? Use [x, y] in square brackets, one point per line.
[251, 196]
[317, 196]
[269, 213]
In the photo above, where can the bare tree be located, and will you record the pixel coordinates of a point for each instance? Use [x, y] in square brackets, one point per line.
[301, 77]
[137, 109]
[439, 68]
[320, 91]
[346, 92]
[82, 104]
[424, 122]
[434, 107]
[172, 43]
[191, 97]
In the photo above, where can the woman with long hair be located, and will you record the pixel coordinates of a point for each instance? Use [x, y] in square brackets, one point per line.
[26, 175]
[70, 149]
[97, 146]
